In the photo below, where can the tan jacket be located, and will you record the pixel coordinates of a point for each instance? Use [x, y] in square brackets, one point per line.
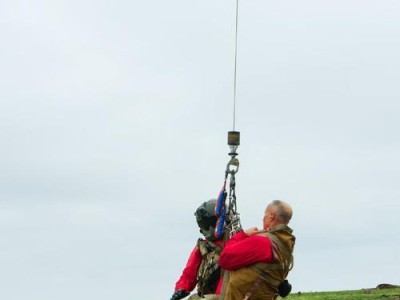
[260, 281]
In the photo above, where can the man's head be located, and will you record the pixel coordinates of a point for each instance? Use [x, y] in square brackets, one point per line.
[206, 220]
[277, 212]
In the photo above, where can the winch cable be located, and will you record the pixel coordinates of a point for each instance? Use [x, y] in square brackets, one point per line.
[235, 65]
[228, 222]
[233, 221]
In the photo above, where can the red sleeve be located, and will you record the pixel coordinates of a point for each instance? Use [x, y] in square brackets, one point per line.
[241, 251]
[188, 279]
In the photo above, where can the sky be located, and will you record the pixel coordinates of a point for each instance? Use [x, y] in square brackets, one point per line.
[113, 126]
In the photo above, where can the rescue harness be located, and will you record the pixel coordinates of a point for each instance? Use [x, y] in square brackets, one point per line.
[228, 221]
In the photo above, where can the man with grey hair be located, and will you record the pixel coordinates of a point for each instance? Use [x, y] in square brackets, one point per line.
[256, 261]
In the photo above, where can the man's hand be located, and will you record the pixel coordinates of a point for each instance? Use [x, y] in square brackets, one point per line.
[251, 231]
[179, 294]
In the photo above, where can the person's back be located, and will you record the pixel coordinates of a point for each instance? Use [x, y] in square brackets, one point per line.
[258, 261]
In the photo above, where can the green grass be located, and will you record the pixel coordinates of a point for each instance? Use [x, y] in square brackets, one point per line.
[372, 294]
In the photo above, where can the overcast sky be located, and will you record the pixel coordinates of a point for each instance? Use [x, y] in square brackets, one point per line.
[113, 123]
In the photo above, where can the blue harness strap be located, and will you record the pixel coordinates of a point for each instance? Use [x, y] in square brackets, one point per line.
[220, 212]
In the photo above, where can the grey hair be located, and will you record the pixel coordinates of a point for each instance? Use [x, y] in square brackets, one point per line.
[283, 210]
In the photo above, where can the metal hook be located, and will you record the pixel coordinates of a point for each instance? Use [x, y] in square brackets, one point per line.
[233, 166]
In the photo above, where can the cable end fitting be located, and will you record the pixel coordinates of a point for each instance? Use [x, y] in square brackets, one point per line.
[233, 142]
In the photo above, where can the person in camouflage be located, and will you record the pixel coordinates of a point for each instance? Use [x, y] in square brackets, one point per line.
[202, 267]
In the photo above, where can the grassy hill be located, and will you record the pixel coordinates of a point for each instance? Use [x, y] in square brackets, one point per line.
[378, 293]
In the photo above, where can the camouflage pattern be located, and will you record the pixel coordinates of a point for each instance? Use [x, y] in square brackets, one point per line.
[206, 297]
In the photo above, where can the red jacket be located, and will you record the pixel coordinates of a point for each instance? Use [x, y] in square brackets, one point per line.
[242, 250]
[188, 279]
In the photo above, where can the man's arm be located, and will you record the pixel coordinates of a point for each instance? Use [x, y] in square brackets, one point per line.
[242, 250]
[188, 279]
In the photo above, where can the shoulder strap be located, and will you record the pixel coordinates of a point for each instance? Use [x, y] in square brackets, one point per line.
[206, 247]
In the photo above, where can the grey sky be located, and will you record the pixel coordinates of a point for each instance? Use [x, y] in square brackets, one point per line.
[113, 130]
